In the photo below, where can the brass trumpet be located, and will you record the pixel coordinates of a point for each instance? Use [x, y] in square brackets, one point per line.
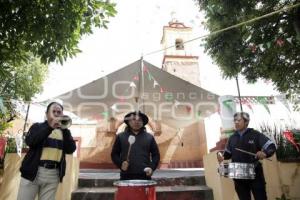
[65, 121]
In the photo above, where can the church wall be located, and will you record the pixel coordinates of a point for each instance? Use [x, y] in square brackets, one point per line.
[185, 68]
[170, 36]
[173, 153]
[186, 150]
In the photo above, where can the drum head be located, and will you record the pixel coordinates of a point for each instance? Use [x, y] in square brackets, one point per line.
[135, 183]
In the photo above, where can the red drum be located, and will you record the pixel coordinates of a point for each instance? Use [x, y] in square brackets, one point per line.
[135, 190]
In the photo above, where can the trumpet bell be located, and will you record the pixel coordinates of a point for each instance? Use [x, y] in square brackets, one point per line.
[65, 122]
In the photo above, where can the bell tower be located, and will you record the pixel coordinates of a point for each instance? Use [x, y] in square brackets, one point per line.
[178, 56]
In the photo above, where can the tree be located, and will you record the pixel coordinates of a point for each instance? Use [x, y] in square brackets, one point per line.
[25, 81]
[50, 30]
[36, 32]
[267, 48]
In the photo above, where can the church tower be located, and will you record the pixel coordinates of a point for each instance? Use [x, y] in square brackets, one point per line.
[178, 58]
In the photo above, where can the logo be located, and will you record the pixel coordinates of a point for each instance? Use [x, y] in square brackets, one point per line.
[251, 142]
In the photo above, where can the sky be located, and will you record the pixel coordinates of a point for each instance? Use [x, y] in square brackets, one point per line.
[135, 31]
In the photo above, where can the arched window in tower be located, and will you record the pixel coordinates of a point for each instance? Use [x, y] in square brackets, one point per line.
[179, 44]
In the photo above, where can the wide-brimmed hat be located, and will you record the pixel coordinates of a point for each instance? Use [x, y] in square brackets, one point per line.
[139, 113]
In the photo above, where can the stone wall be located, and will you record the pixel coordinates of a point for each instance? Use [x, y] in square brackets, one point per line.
[11, 178]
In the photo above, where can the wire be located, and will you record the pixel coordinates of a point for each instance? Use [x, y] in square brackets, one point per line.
[285, 8]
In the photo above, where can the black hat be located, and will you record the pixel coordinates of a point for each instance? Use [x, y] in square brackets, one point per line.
[139, 113]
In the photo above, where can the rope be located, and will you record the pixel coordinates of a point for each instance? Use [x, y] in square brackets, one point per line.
[285, 8]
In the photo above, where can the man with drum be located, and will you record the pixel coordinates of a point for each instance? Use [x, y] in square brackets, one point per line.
[247, 145]
[135, 151]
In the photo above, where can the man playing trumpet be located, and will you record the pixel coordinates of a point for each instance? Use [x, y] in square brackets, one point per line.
[43, 167]
[135, 151]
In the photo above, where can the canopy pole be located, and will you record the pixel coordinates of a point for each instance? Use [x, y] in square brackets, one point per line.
[238, 88]
[143, 84]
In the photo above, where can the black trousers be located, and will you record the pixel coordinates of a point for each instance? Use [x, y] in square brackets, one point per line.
[257, 186]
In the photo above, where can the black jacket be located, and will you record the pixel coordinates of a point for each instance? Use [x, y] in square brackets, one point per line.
[144, 153]
[35, 139]
[251, 141]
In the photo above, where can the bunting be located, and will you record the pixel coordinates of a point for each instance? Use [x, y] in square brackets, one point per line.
[198, 115]
[152, 78]
[114, 108]
[263, 100]
[176, 103]
[264, 103]
[246, 102]
[188, 108]
[105, 114]
[97, 117]
[228, 104]
[289, 40]
[155, 83]
[280, 42]
[132, 85]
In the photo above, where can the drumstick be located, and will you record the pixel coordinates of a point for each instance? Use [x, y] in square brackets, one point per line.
[131, 140]
[250, 153]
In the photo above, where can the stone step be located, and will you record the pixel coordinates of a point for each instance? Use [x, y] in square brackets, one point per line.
[180, 192]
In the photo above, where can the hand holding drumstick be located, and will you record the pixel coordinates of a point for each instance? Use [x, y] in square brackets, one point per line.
[125, 164]
[260, 154]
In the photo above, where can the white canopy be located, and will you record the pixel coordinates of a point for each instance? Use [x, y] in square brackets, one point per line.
[161, 95]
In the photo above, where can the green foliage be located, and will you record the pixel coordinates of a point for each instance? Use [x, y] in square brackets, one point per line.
[50, 30]
[268, 48]
[6, 117]
[36, 32]
[11, 146]
[24, 80]
[286, 151]
[23, 83]
[3, 124]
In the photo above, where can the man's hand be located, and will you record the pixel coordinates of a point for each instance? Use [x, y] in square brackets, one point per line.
[125, 165]
[220, 157]
[148, 171]
[261, 155]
